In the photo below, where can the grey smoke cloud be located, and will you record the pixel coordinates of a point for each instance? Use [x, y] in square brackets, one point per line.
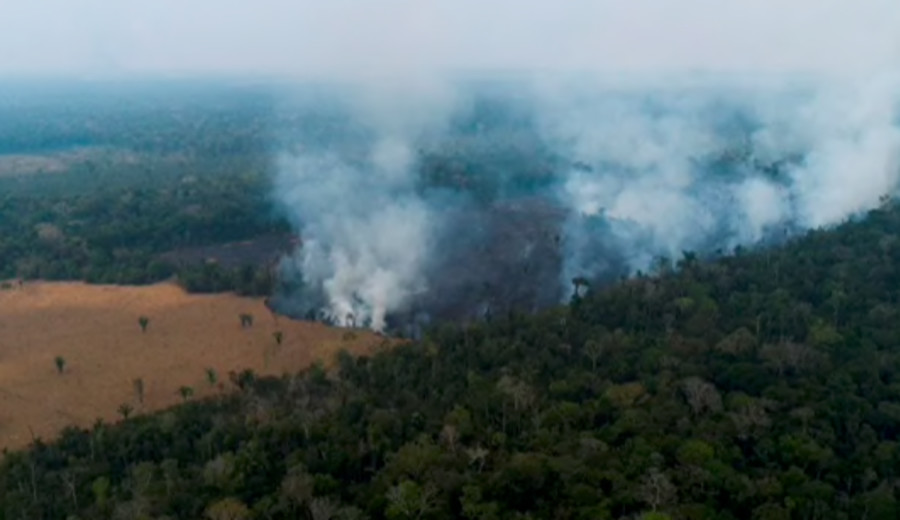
[632, 130]
[498, 195]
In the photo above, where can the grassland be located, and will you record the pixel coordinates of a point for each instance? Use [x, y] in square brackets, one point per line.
[95, 329]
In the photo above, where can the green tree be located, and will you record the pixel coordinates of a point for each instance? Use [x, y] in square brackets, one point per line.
[656, 489]
[409, 500]
[185, 392]
[593, 350]
[228, 509]
[60, 364]
[100, 488]
[246, 320]
[125, 410]
[143, 321]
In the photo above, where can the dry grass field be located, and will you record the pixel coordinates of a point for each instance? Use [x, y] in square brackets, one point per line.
[96, 330]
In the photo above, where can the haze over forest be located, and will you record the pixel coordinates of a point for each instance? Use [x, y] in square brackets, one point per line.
[617, 259]
[631, 111]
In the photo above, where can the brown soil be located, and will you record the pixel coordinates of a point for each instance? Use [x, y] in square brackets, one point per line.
[96, 330]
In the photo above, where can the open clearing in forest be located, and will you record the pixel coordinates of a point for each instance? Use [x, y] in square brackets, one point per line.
[95, 329]
[62, 161]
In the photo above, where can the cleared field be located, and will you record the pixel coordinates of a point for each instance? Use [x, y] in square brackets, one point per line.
[61, 161]
[96, 330]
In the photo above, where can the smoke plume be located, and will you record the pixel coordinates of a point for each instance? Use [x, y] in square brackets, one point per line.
[456, 158]
[480, 196]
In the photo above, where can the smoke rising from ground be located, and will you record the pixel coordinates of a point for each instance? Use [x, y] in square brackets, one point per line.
[420, 197]
[476, 197]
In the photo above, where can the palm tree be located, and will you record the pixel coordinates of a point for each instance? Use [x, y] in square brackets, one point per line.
[60, 364]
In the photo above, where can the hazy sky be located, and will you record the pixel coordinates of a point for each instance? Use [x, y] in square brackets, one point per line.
[326, 37]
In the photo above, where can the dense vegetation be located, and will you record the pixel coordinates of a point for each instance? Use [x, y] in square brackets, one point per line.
[132, 174]
[206, 118]
[764, 385]
[118, 236]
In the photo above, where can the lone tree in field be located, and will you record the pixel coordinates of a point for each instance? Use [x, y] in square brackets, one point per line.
[246, 320]
[186, 392]
[242, 380]
[143, 321]
[211, 377]
[125, 410]
[279, 336]
[60, 364]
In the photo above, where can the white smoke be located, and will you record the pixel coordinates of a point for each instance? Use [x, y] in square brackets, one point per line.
[630, 157]
[640, 172]
[853, 145]
[763, 205]
[366, 234]
[647, 148]
[595, 120]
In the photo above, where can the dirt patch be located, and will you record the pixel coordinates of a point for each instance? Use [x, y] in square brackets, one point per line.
[80, 157]
[30, 164]
[60, 161]
[96, 330]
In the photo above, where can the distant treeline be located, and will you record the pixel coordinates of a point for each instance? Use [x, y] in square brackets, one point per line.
[120, 236]
[161, 171]
[208, 118]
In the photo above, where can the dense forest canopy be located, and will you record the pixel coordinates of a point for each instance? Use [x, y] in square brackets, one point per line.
[763, 385]
[760, 385]
[601, 260]
[103, 183]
